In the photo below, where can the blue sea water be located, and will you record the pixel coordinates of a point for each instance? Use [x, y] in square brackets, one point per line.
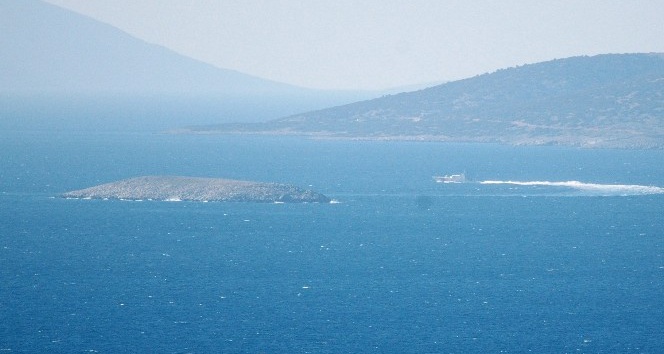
[400, 264]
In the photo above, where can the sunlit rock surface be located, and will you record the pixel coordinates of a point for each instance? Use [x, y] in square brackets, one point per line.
[172, 188]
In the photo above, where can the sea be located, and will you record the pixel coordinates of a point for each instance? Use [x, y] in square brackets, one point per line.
[543, 250]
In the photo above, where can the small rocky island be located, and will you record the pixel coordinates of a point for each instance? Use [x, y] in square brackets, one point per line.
[175, 188]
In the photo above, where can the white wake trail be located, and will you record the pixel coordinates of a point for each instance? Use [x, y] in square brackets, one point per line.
[604, 189]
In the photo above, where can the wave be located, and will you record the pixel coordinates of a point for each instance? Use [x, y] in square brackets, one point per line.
[595, 188]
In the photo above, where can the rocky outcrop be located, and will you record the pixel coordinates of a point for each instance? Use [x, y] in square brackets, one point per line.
[173, 188]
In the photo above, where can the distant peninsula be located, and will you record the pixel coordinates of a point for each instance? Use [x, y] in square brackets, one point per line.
[602, 101]
[177, 188]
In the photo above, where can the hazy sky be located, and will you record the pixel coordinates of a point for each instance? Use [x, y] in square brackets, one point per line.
[375, 44]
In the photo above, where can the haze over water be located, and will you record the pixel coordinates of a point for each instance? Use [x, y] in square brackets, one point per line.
[546, 249]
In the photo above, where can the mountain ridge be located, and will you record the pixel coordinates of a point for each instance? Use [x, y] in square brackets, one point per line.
[609, 100]
[55, 52]
[61, 61]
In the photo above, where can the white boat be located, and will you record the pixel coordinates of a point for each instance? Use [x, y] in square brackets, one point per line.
[460, 178]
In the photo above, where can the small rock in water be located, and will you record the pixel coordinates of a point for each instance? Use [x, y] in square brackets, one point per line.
[174, 188]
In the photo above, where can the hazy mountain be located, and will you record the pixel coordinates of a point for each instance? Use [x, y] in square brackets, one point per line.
[56, 60]
[613, 100]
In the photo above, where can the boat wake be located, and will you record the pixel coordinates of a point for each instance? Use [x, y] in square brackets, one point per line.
[591, 188]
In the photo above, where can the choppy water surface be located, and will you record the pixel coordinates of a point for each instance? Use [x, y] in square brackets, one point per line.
[529, 260]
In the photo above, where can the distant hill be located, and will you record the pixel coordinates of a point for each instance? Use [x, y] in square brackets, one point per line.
[54, 60]
[612, 100]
